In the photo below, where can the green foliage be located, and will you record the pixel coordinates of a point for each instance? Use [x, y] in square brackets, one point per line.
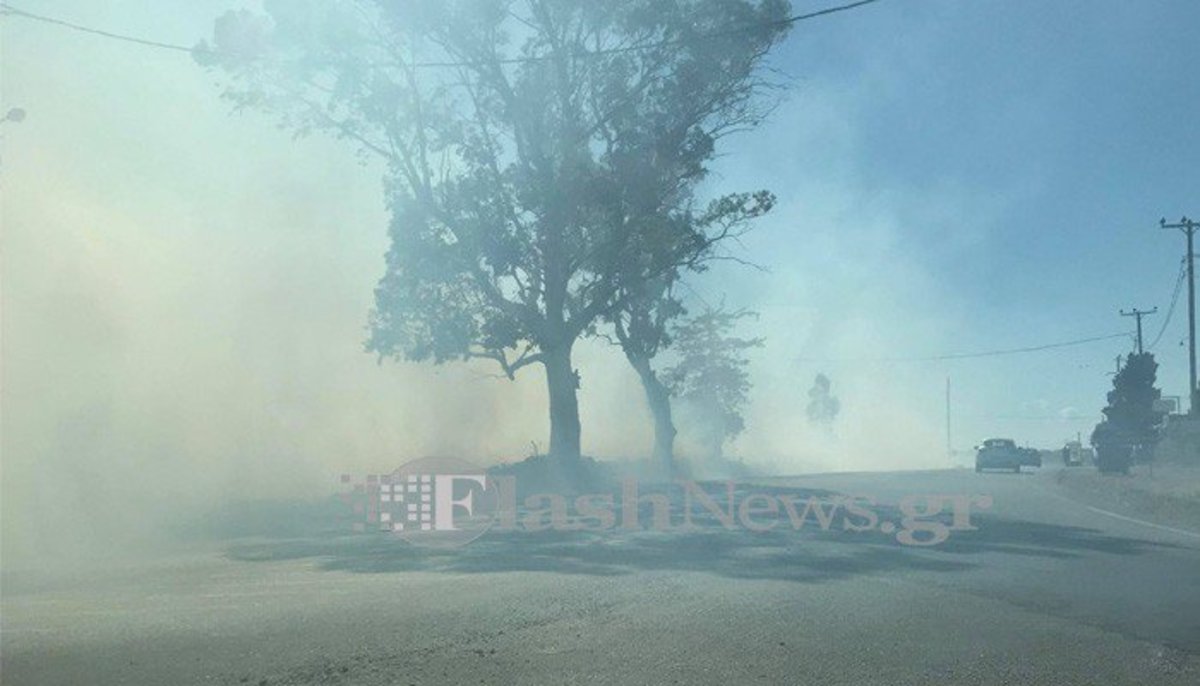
[542, 182]
[823, 407]
[1131, 423]
[711, 373]
[649, 307]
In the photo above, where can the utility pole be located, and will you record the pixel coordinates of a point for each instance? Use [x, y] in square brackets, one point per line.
[1188, 227]
[1139, 314]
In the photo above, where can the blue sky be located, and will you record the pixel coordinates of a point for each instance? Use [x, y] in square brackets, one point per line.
[1020, 155]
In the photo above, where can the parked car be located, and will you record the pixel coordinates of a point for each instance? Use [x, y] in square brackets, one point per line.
[1000, 453]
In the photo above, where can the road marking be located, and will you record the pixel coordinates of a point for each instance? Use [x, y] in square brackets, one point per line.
[1114, 515]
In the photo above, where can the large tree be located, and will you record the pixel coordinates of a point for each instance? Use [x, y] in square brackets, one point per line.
[541, 154]
[649, 310]
[641, 328]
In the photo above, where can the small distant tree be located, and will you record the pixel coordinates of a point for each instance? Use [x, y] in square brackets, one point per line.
[1131, 425]
[823, 407]
[711, 374]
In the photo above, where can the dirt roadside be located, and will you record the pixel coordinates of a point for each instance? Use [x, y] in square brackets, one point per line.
[1165, 494]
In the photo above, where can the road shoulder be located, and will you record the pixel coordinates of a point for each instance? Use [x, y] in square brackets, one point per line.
[1167, 496]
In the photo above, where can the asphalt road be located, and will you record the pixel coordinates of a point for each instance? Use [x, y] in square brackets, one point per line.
[1043, 591]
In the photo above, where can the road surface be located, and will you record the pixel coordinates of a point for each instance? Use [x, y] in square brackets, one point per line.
[1044, 591]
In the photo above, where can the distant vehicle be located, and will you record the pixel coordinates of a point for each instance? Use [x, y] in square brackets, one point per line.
[1072, 454]
[1001, 453]
[1031, 457]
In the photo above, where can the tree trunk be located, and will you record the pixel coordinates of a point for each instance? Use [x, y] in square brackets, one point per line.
[659, 400]
[562, 384]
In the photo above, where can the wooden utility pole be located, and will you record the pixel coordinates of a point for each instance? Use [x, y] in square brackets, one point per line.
[1188, 227]
[1139, 314]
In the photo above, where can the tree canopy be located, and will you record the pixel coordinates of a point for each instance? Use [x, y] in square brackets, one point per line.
[1131, 421]
[542, 157]
[823, 406]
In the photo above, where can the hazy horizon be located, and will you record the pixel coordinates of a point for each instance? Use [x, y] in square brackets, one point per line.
[186, 290]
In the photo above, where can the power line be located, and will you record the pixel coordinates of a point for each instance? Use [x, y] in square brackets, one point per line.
[10, 10]
[1034, 418]
[989, 353]
[1174, 301]
[16, 12]
[1030, 349]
